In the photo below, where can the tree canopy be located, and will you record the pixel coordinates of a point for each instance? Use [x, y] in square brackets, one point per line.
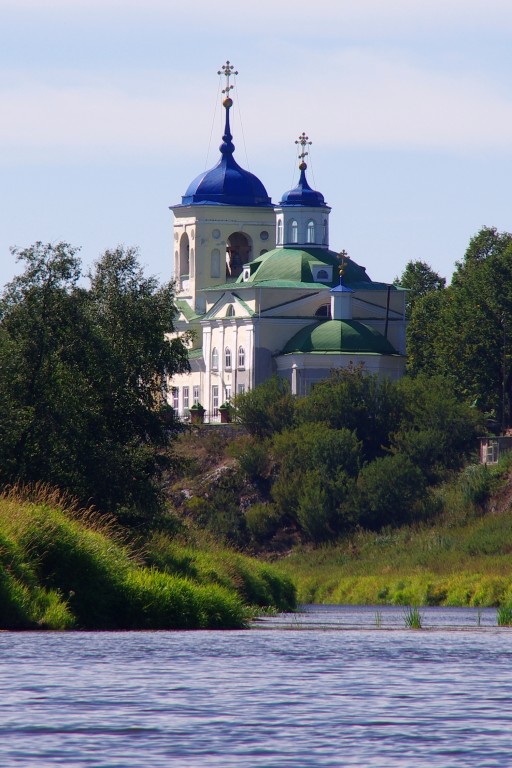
[420, 279]
[464, 332]
[82, 376]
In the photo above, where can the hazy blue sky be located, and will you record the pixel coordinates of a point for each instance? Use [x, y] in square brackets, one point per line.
[108, 108]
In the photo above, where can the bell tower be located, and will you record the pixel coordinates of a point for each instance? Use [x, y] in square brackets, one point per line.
[225, 219]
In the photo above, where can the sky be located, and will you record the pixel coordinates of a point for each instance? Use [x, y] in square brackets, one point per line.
[109, 108]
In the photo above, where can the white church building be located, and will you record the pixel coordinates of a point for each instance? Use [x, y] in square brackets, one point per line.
[261, 293]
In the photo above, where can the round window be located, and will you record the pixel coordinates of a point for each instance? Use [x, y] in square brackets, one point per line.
[264, 235]
[216, 234]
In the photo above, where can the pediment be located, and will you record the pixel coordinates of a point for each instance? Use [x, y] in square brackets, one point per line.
[229, 307]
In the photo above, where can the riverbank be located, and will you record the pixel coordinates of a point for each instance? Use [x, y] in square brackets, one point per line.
[460, 558]
[68, 568]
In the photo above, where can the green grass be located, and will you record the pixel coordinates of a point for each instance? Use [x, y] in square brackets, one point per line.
[504, 616]
[62, 568]
[461, 558]
[412, 617]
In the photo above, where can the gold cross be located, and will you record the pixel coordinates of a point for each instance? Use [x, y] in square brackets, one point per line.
[304, 142]
[344, 258]
[227, 71]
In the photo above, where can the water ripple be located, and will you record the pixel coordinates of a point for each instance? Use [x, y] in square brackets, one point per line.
[351, 695]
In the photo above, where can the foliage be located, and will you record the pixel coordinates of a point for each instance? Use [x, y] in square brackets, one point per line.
[267, 409]
[262, 520]
[217, 508]
[357, 401]
[463, 332]
[253, 457]
[81, 377]
[257, 583]
[504, 616]
[63, 567]
[436, 431]
[316, 467]
[461, 557]
[389, 491]
[420, 279]
[412, 617]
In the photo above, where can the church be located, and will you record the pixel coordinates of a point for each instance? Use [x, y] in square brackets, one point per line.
[260, 293]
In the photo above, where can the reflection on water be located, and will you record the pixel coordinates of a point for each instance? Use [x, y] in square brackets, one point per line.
[343, 693]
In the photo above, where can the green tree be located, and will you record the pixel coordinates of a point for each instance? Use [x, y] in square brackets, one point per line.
[317, 466]
[467, 335]
[267, 409]
[355, 400]
[389, 491]
[84, 377]
[420, 279]
[437, 431]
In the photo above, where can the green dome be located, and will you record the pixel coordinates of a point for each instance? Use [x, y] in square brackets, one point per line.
[339, 336]
[296, 265]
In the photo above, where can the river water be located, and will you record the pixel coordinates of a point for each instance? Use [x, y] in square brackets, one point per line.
[328, 686]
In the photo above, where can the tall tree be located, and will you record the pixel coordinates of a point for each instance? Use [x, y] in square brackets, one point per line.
[84, 377]
[420, 279]
[465, 334]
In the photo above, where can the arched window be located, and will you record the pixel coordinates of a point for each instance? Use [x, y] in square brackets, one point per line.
[322, 274]
[230, 311]
[184, 256]
[215, 359]
[294, 231]
[241, 357]
[280, 232]
[227, 358]
[325, 237]
[310, 231]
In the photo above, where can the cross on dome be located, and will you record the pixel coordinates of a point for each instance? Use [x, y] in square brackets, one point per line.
[304, 142]
[343, 259]
[228, 71]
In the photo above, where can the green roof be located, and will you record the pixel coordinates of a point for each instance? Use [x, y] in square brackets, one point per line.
[339, 336]
[185, 308]
[195, 354]
[296, 265]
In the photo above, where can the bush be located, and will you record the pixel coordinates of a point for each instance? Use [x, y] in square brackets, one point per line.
[262, 521]
[267, 409]
[317, 464]
[389, 491]
[252, 455]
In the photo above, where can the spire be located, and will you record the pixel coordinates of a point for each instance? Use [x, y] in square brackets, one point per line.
[343, 259]
[303, 141]
[227, 147]
[302, 194]
[226, 183]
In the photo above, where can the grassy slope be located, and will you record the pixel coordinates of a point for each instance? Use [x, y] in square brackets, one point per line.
[62, 568]
[462, 558]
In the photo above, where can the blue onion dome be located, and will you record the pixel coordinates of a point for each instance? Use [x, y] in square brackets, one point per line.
[227, 183]
[302, 194]
[339, 337]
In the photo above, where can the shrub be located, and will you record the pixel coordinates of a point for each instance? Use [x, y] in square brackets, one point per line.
[267, 409]
[389, 491]
[262, 521]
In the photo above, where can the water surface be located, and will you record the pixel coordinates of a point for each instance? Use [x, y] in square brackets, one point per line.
[342, 693]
